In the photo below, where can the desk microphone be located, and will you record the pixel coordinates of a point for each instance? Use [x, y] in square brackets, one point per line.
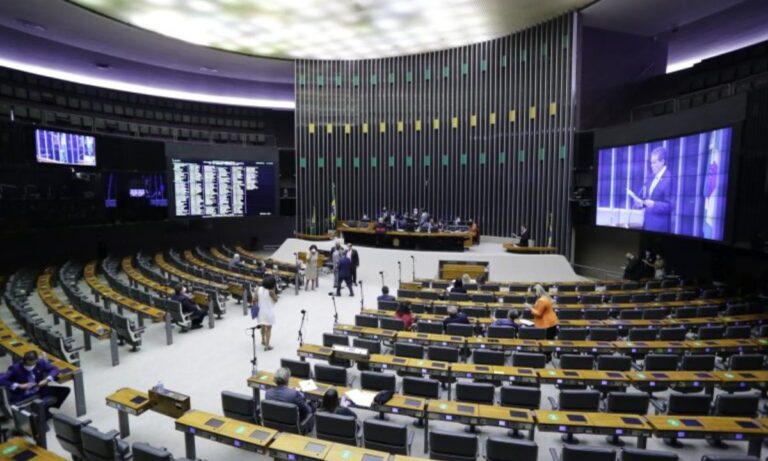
[303, 311]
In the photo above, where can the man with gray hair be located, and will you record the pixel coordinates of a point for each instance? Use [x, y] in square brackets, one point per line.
[454, 316]
[283, 393]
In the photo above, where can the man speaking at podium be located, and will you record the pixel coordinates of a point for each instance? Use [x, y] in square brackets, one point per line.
[656, 195]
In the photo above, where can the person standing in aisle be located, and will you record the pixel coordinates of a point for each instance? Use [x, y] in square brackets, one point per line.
[311, 270]
[266, 297]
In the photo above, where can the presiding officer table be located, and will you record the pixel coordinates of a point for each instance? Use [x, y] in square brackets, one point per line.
[440, 241]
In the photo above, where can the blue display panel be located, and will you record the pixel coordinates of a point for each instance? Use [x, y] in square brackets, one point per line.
[65, 148]
[677, 185]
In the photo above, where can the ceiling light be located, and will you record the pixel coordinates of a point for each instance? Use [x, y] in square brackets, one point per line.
[31, 25]
[209, 69]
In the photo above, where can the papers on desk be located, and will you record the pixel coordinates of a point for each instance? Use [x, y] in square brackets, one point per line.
[308, 385]
[360, 398]
[600, 289]
[525, 322]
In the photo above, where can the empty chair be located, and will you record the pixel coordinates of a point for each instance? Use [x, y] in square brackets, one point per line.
[746, 362]
[240, 407]
[567, 299]
[630, 314]
[569, 314]
[706, 333]
[386, 436]
[685, 404]
[736, 405]
[572, 334]
[643, 334]
[603, 334]
[104, 446]
[616, 299]
[443, 353]
[698, 362]
[642, 298]
[366, 321]
[736, 309]
[391, 324]
[429, 327]
[655, 314]
[475, 392]
[330, 339]
[386, 305]
[458, 296]
[729, 458]
[738, 332]
[284, 417]
[68, 431]
[652, 284]
[490, 287]
[460, 329]
[376, 381]
[486, 357]
[532, 333]
[577, 362]
[672, 334]
[596, 314]
[483, 298]
[707, 311]
[336, 428]
[529, 360]
[331, 374]
[637, 454]
[498, 331]
[371, 345]
[687, 312]
[612, 363]
[298, 368]
[628, 403]
[146, 452]
[661, 362]
[498, 448]
[576, 400]
[452, 446]
[592, 299]
[520, 396]
[664, 297]
[574, 453]
[415, 351]
[421, 387]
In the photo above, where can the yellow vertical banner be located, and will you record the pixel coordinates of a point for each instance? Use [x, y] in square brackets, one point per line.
[418, 125]
[347, 128]
[436, 124]
[492, 118]
[512, 116]
[532, 112]
[473, 120]
[311, 128]
[382, 127]
[552, 108]
[399, 126]
[329, 128]
[365, 128]
[455, 122]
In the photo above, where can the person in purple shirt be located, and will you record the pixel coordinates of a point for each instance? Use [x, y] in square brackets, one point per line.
[31, 378]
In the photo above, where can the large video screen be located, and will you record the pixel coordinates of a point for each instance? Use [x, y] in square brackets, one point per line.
[224, 188]
[65, 148]
[677, 185]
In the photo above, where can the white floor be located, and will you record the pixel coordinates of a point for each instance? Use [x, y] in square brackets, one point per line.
[204, 362]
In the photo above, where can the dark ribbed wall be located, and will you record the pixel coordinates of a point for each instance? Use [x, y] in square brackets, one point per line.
[483, 132]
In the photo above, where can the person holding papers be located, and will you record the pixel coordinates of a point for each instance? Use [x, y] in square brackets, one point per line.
[544, 315]
[656, 195]
[331, 404]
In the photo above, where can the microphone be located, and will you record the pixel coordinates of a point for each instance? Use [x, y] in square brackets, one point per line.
[330, 294]
[381, 272]
[360, 282]
[303, 311]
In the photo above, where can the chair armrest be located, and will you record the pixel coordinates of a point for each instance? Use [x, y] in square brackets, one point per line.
[660, 406]
[113, 434]
[138, 330]
[553, 402]
[410, 440]
[554, 455]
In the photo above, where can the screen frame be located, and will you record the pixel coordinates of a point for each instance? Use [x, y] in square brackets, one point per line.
[67, 132]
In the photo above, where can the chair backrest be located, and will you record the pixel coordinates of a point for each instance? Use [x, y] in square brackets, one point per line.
[532, 333]
[729, 458]
[336, 428]
[577, 361]
[689, 404]
[603, 334]
[698, 362]
[592, 299]
[366, 321]
[736, 405]
[391, 324]
[460, 329]
[636, 454]
[500, 448]
[282, 416]
[574, 453]
[628, 402]
[747, 362]
[331, 374]
[707, 311]
[498, 331]
[411, 350]
[387, 305]
[298, 368]
[376, 381]
[738, 332]
[385, 436]
[486, 357]
[239, 406]
[643, 334]
[672, 334]
[661, 362]
[458, 296]
[596, 314]
[520, 396]
[421, 387]
[429, 327]
[67, 431]
[736, 309]
[443, 353]
[373, 346]
[146, 452]
[529, 360]
[687, 312]
[630, 314]
[330, 339]
[579, 400]
[457, 445]
[572, 334]
[569, 314]
[614, 362]
[711, 333]
[655, 314]
[475, 392]
[102, 446]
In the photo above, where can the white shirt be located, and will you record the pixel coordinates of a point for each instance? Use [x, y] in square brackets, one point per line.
[656, 180]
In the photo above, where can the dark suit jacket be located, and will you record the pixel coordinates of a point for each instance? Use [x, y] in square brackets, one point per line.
[17, 374]
[187, 305]
[657, 217]
[345, 267]
[524, 237]
[355, 258]
[288, 395]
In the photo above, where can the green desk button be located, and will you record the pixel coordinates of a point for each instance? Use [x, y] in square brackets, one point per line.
[421, 362]
[729, 375]
[443, 406]
[240, 429]
[552, 372]
[553, 417]
[697, 343]
[263, 377]
[346, 454]
[673, 422]
[10, 449]
[550, 342]
[641, 375]
[763, 341]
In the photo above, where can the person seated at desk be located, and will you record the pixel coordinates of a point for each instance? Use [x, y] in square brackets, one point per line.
[188, 306]
[403, 313]
[283, 393]
[30, 378]
[385, 296]
[454, 316]
[467, 280]
[510, 321]
[524, 236]
[236, 261]
[331, 404]
[544, 315]
[457, 287]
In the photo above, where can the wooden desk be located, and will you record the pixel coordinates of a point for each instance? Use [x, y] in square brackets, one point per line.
[403, 405]
[364, 332]
[101, 289]
[388, 362]
[299, 448]
[428, 367]
[509, 344]
[135, 276]
[350, 453]
[648, 347]
[614, 424]
[512, 248]
[723, 346]
[128, 401]
[704, 379]
[472, 371]
[265, 380]
[582, 377]
[594, 347]
[444, 241]
[431, 339]
[171, 269]
[225, 430]
[742, 380]
[699, 427]
[515, 374]
[314, 351]
[21, 448]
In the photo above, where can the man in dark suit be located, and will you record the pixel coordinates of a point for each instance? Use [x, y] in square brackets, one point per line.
[31, 378]
[525, 235]
[283, 393]
[385, 296]
[345, 275]
[188, 306]
[355, 258]
[656, 195]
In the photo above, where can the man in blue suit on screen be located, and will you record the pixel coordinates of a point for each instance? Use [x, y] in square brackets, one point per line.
[656, 195]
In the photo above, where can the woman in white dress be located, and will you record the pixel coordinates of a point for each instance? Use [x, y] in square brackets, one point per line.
[312, 269]
[266, 296]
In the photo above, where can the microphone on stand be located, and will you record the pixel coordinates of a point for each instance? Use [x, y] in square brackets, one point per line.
[381, 273]
[301, 327]
[399, 272]
[413, 261]
[362, 300]
[335, 312]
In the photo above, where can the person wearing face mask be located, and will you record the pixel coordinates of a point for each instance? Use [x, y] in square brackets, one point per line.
[31, 378]
[311, 271]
